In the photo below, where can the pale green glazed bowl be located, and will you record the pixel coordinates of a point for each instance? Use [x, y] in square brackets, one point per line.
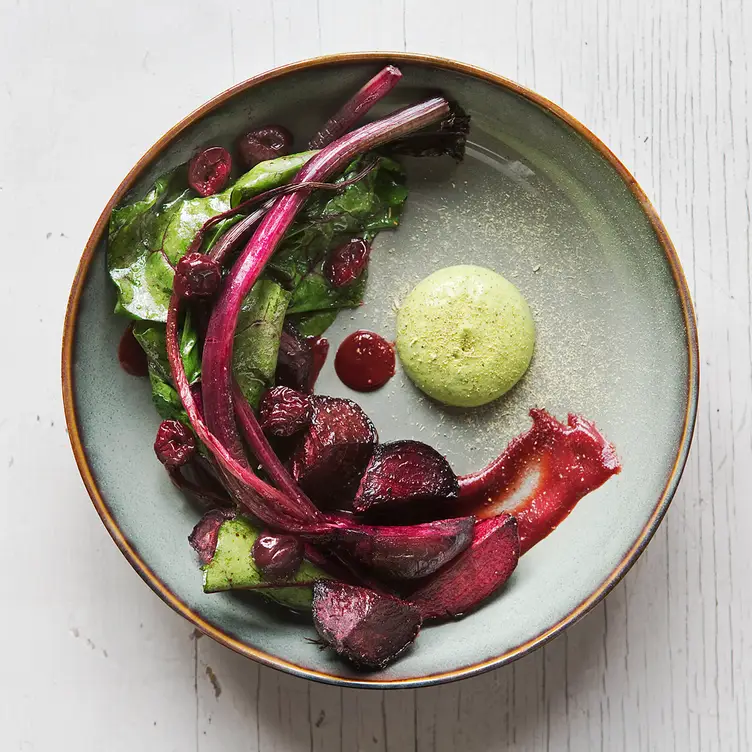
[538, 199]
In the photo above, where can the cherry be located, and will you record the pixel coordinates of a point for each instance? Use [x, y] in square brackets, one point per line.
[209, 170]
[277, 555]
[175, 444]
[197, 276]
[265, 143]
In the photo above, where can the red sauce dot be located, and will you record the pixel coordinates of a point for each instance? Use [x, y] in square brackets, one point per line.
[132, 358]
[364, 361]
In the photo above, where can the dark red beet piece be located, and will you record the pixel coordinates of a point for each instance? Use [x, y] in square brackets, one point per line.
[364, 361]
[175, 444]
[347, 262]
[300, 359]
[277, 555]
[410, 551]
[203, 537]
[131, 355]
[197, 276]
[269, 142]
[284, 411]
[476, 573]
[406, 476]
[367, 628]
[334, 452]
[209, 170]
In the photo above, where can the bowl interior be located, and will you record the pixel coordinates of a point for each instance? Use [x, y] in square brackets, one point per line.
[537, 203]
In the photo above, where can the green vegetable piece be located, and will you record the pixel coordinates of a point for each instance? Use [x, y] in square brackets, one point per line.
[166, 399]
[312, 324]
[152, 337]
[257, 338]
[267, 175]
[232, 567]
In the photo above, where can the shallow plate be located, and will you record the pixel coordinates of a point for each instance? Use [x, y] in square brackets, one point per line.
[540, 200]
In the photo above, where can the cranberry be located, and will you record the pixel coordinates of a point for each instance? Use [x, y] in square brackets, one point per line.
[364, 361]
[277, 555]
[284, 411]
[131, 355]
[197, 276]
[269, 142]
[346, 263]
[175, 444]
[209, 170]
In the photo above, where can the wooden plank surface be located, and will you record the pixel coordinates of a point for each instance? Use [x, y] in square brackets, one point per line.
[93, 660]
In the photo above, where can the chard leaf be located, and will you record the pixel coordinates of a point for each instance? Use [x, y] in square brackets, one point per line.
[232, 567]
[151, 335]
[149, 236]
[257, 338]
[313, 324]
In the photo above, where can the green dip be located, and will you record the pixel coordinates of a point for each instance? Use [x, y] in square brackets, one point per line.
[465, 335]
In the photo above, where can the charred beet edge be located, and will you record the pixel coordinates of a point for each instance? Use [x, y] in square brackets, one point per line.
[261, 144]
[346, 262]
[406, 476]
[218, 346]
[357, 106]
[334, 451]
[203, 537]
[469, 579]
[209, 170]
[408, 552]
[277, 555]
[284, 411]
[367, 628]
[174, 445]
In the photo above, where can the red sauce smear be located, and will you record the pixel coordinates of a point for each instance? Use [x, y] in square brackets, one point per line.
[364, 361]
[563, 461]
[132, 358]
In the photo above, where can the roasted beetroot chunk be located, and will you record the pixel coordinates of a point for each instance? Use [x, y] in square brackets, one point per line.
[405, 477]
[407, 552]
[203, 537]
[368, 629]
[284, 411]
[334, 452]
[468, 580]
[300, 359]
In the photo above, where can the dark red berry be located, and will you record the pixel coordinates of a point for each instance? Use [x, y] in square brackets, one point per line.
[284, 411]
[269, 142]
[131, 355]
[277, 555]
[197, 276]
[175, 444]
[346, 263]
[209, 170]
[364, 361]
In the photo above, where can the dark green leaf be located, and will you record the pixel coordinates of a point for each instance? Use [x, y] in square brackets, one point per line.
[313, 324]
[166, 399]
[267, 175]
[152, 338]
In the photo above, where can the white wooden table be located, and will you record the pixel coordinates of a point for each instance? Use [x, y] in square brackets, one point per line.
[92, 659]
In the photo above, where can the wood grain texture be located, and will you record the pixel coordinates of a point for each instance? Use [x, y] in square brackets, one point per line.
[93, 660]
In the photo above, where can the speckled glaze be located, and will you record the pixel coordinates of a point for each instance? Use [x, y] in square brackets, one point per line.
[538, 199]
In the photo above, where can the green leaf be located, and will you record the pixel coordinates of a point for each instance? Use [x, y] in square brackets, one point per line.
[267, 175]
[232, 567]
[148, 237]
[151, 335]
[313, 324]
[166, 399]
[361, 210]
[257, 338]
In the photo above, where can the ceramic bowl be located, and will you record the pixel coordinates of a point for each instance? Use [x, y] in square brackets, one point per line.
[538, 198]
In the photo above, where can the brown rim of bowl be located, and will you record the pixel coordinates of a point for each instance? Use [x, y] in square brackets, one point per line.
[151, 578]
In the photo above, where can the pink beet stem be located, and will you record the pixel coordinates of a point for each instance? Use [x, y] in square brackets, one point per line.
[217, 357]
[357, 106]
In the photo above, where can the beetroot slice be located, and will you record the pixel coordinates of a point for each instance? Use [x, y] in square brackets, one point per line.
[300, 359]
[405, 475]
[407, 552]
[203, 537]
[468, 580]
[334, 451]
[365, 627]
